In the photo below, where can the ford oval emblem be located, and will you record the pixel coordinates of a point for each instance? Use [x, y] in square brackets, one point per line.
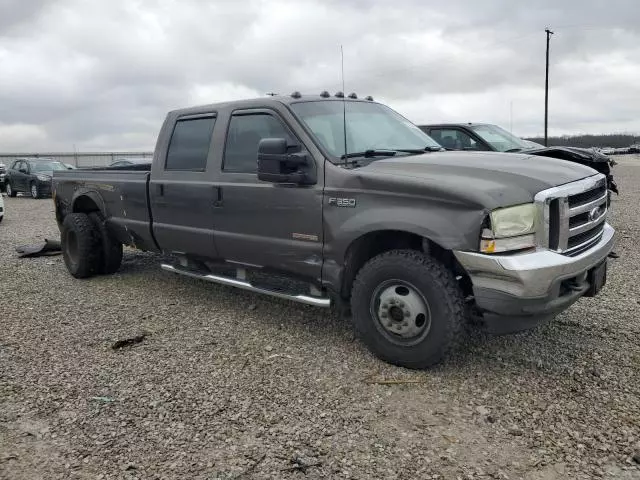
[594, 214]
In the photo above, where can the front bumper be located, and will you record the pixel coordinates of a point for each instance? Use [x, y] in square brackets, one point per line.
[526, 289]
[44, 187]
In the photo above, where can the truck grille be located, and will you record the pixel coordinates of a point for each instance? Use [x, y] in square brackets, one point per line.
[573, 215]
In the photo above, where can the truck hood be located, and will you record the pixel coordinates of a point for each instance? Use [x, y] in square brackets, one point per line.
[488, 179]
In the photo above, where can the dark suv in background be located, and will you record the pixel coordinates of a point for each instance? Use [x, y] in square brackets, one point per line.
[492, 138]
[31, 175]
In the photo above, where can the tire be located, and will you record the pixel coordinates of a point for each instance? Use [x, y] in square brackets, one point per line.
[10, 191]
[402, 285]
[33, 189]
[111, 248]
[81, 246]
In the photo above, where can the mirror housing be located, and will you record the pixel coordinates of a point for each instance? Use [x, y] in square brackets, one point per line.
[282, 163]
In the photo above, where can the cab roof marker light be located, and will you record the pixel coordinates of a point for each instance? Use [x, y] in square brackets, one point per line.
[296, 94]
[325, 94]
[353, 95]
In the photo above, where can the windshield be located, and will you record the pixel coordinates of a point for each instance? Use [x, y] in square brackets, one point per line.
[370, 126]
[499, 138]
[47, 166]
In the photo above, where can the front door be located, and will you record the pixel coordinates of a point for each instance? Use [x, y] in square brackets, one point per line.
[181, 191]
[262, 224]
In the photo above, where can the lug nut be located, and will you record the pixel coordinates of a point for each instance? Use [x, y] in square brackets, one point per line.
[383, 314]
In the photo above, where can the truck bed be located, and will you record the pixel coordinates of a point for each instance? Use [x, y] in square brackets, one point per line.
[120, 193]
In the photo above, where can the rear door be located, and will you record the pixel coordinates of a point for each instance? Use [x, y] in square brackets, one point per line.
[181, 190]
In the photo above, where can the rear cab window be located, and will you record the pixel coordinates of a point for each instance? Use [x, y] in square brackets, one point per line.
[189, 145]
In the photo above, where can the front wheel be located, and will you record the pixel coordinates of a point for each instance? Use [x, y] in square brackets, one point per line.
[10, 191]
[35, 191]
[407, 308]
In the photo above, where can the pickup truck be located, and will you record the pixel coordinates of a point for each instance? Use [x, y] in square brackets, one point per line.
[487, 137]
[340, 201]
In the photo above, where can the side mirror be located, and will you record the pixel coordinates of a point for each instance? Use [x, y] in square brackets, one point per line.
[23, 170]
[277, 165]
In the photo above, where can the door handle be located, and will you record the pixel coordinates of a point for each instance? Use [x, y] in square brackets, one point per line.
[218, 202]
[160, 189]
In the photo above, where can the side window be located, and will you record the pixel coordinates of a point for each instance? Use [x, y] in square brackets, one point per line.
[189, 145]
[245, 132]
[454, 139]
[16, 165]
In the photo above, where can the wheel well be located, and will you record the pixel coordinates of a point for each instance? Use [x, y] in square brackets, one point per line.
[85, 204]
[371, 244]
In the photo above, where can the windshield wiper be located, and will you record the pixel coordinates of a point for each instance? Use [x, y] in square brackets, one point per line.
[390, 152]
[371, 153]
[513, 150]
[428, 148]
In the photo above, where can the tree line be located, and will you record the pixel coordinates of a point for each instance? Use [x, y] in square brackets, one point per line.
[615, 140]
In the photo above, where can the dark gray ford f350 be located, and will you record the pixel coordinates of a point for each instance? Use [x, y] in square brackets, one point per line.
[268, 195]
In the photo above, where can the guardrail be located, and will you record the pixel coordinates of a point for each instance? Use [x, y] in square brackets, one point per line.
[78, 159]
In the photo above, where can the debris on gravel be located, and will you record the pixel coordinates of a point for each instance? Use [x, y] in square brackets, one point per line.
[225, 384]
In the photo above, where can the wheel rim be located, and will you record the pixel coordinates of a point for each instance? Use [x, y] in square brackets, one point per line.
[71, 246]
[401, 312]
[34, 190]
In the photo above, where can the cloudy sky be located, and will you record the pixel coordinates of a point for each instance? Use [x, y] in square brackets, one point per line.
[101, 74]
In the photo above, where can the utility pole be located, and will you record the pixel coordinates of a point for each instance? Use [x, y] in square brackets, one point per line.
[546, 92]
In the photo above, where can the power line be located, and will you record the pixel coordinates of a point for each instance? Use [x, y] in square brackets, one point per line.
[370, 72]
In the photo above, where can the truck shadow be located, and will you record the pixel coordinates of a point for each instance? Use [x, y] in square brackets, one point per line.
[564, 346]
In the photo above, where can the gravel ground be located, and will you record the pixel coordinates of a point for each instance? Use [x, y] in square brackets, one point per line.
[233, 385]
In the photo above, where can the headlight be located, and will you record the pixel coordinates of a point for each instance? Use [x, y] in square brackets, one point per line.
[513, 221]
[43, 178]
[512, 228]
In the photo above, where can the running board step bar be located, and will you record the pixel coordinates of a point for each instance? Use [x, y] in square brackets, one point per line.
[243, 284]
